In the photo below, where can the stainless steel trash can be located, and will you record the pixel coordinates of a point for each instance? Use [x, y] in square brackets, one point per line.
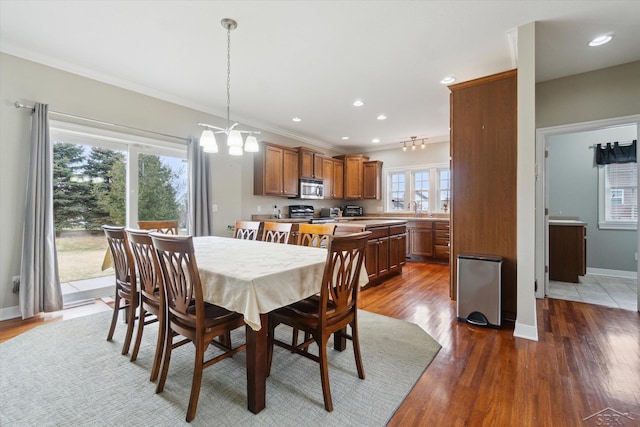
[479, 289]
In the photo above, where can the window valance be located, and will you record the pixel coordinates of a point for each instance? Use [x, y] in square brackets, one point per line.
[616, 153]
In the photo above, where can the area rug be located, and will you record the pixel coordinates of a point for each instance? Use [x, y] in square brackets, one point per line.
[67, 374]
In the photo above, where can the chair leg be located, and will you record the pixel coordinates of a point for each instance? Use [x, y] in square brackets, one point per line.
[157, 358]
[196, 382]
[324, 375]
[131, 321]
[356, 349]
[114, 318]
[166, 358]
[294, 340]
[136, 346]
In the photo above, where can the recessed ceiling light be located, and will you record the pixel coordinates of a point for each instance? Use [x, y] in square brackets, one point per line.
[297, 119]
[381, 117]
[599, 41]
[447, 80]
[358, 103]
[345, 138]
[375, 140]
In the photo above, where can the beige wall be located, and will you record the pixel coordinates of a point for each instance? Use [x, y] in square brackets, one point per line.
[602, 94]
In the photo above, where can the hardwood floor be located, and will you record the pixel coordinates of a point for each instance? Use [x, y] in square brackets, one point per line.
[587, 360]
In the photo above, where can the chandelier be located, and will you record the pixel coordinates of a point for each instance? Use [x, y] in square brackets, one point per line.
[208, 140]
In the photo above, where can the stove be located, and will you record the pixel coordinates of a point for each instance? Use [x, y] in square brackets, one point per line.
[306, 212]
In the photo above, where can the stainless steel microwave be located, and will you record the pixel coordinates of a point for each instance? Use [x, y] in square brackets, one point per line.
[311, 189]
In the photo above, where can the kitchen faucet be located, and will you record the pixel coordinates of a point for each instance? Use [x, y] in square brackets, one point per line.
[415, 207]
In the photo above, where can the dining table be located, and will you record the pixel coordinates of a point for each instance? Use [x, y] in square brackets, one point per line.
[252, 278]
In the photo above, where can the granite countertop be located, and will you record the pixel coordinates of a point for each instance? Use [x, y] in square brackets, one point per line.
[394, 218]
[371, 222]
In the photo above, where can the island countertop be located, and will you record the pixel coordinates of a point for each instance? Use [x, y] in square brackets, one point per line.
[371, 222]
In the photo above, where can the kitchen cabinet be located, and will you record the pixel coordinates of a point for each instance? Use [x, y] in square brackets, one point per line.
[311, 163]
[333, 171]
[372, 179]
[441, 240]
[483, 153]
[353, 175]
[420, 239]
[567, 250]
[385, 253]
[275, 171]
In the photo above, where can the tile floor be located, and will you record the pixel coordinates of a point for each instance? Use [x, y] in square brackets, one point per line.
[617, 292]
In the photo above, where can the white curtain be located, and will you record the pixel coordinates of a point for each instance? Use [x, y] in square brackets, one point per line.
[39, 282]
[200, 220]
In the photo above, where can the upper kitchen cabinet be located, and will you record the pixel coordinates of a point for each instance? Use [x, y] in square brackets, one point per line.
[483, 173]
[372, 179]
[353, 175]
[333, 172]
[311, 163]
[275, 171]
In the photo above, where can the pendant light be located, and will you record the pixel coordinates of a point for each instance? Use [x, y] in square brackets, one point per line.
[234, 136]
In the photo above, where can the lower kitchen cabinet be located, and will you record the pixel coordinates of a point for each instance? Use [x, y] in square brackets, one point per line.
[428, 240]
[385, 253]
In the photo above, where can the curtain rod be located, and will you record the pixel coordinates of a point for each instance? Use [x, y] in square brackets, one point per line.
[73, 116]
[619, 142]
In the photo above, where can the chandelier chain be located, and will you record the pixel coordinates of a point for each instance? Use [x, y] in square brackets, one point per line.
[228, 74]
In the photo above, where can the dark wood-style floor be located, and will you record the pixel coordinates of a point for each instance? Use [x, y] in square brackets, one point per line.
[587, 360]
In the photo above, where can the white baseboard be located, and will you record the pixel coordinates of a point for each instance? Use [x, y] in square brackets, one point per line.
[525, 331]
[613, 273]
[10, 313]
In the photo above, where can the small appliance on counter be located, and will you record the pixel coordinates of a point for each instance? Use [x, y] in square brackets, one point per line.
[329, 212]
[352, 210]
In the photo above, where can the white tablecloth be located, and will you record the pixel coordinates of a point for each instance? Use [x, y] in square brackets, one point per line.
[253, 277]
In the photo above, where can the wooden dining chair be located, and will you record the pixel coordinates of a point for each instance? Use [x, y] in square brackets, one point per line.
[336, 307]
[163, 226]
[247, 230]
[151, 304]
[276, 232]
[316, 235]
[188, 314]
[126, 295]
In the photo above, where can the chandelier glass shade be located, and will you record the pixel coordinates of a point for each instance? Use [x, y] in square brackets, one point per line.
[208, 140]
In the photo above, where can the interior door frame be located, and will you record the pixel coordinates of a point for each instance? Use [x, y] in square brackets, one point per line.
[542, 217]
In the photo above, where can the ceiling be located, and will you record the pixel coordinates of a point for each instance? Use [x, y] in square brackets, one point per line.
[312, 59]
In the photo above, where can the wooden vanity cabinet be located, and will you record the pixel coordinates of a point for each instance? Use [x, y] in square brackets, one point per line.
[311, 163]
[567, 252]
[275, 171]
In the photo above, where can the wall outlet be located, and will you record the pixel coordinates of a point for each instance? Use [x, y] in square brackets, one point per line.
[16, 284]
[379, 208]
[259, 209]
[214, 208]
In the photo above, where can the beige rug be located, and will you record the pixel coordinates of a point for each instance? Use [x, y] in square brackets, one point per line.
[67, 374]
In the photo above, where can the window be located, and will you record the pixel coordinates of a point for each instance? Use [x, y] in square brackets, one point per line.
[411, 188]
[444, 183]
[103, 177]
[618, 196]
[396, 192]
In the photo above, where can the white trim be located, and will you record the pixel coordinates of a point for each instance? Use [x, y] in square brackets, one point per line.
[526, 331]
[613, 273]
[10, 313]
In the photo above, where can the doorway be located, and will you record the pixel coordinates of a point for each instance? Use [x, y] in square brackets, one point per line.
[567, 188]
